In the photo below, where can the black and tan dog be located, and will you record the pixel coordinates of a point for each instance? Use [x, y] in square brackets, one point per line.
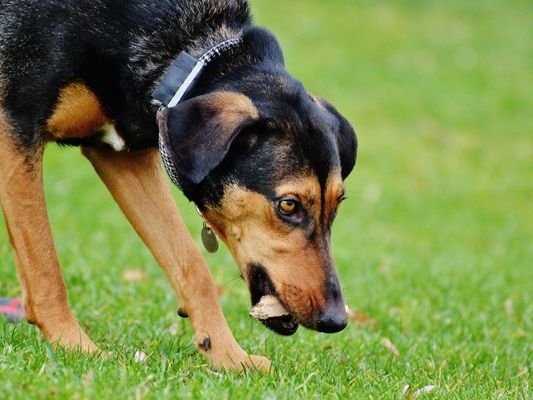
[262, 158]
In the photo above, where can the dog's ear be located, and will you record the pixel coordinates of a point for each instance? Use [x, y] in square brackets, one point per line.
[200, 131]
[345, 135]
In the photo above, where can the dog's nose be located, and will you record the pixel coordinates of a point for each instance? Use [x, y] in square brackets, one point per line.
[332, 319]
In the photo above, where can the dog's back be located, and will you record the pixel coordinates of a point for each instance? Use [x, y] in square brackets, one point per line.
[116, 48]
[43, 46]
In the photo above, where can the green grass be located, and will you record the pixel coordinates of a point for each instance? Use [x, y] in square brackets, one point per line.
[435, 239]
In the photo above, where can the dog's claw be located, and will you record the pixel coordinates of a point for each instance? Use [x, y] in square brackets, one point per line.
[205, 345]
[182, 313]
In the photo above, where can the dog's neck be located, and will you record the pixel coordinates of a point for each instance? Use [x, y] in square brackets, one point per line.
[186, 70]
[236, 70]
[172, 27]
[150, 63]
[149, 55]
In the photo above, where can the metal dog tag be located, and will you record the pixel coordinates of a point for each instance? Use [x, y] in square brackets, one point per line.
[209, 239]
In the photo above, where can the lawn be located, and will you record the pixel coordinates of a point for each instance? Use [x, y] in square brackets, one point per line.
[434, 246]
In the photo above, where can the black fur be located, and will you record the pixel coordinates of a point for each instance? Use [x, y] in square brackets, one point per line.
[120, 50]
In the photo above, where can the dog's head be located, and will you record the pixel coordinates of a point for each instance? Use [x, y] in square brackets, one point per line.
[266, 165]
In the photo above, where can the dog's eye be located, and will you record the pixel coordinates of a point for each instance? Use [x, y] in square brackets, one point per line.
[288, 207]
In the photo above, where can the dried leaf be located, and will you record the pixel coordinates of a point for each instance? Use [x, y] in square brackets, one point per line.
[390, 347]
[422, 391]
[405, 390]
[140, 357]
[174, 329]
[134, 275]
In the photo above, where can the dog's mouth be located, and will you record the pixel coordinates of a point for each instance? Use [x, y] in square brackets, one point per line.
[261, 285]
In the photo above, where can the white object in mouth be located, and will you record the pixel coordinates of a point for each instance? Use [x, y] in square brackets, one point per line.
[268, 307]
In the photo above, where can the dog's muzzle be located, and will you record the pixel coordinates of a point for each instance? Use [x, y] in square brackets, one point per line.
[261, 285]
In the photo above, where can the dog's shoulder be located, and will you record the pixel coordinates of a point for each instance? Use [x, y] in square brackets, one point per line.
[117, 49]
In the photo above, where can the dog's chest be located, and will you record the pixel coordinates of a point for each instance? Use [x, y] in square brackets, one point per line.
[78, 114]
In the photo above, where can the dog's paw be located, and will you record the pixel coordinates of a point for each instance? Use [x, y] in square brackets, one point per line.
[241, 362]
[224, 353]
[259, 363]
[69, 335]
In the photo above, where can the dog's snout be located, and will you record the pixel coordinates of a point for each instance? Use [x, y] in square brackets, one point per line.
[332, 319]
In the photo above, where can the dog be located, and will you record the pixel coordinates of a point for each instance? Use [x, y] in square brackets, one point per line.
[262, 159]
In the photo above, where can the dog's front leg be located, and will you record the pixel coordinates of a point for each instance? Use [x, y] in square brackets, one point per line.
[136, 182]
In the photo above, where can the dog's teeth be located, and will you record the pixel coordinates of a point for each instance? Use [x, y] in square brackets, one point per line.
[268, 307]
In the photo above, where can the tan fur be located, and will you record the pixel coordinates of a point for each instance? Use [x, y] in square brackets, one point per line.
[234, 106]
[77, 114]
[305, 189]
[333, 194]
[136, 182]
[23, 204]
[231, 109]
[248, 223]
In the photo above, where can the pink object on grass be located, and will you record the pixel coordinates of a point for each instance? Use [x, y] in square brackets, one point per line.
[11, 309]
